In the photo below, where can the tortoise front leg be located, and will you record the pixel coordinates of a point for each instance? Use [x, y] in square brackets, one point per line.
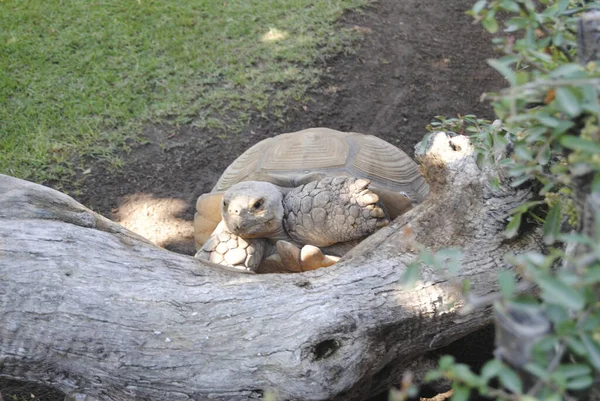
[308, 258]
[288, 258]
[333, 210]
[225, 248]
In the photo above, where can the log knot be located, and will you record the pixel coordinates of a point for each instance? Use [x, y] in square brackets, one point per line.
[325, 349]
[444, 159]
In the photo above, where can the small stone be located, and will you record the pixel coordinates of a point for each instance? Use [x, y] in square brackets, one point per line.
[235, 257]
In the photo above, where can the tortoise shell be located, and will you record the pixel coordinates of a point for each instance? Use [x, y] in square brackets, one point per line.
[285, 158]
[332, 153]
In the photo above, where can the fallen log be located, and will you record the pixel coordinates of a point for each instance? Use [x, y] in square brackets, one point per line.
[89, 307]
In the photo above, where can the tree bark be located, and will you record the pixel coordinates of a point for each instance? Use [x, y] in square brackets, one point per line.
[90, 307]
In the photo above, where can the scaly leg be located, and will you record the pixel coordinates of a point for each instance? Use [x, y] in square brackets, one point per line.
[226, 248]
[333, 210]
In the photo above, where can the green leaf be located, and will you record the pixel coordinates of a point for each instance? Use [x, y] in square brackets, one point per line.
[491, 369]
[576, 346]
[562, 127]
[461, 393]
[578, 143]
[592, 275]
[543, 156]
[504, 69]
[580, 383]
[592, 350]
[547, 120]
[556, 292]
[537, 370]
[558, 39]
[510, 380]
[466, 375]
[490, 25]
[510, 5]
[567, 101]
[525, 207]
[411, 275]
[547, 188]
[552, 224]
[523, 152]
[596, 183]
[590, 97]
[446, 362]
[426, 257]
[480, 5]
[562, 6]
[573, 370]
[512, 229]
[424, 142]
[566, 70]
[507, 282]
[432, 376]
[557, 313]
[535, 133]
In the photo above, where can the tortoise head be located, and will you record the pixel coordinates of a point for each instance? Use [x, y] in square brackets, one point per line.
[253, 209]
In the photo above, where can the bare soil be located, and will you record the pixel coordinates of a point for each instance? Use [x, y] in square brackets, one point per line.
[416, 60]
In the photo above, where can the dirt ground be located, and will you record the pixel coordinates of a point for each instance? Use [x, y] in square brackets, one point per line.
[417, 60]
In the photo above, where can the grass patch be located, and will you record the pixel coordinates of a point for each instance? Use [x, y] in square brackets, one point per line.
[78, 78]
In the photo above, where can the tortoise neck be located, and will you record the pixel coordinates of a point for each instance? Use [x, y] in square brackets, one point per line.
[281, 233]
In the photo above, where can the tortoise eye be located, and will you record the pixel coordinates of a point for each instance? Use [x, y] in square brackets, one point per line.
[258, 204]
[225, 204]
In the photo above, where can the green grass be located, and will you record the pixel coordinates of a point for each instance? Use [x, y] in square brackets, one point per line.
[79, 78]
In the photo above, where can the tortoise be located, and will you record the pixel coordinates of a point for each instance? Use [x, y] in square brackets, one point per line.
[299, 201]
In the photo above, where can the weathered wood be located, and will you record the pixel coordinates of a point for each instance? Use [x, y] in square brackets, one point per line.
[88, 306]
[588, 37]
[586, 199]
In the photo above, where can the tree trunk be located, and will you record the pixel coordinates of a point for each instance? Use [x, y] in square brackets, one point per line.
[88, 306]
